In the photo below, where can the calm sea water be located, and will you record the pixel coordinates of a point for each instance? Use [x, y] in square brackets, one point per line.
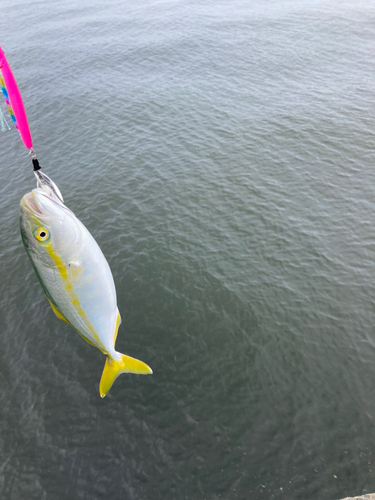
[222, 153]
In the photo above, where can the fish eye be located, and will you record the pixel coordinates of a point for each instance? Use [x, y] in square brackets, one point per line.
[41, 234]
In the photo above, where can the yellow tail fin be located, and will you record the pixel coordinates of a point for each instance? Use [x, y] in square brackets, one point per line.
[113, 368]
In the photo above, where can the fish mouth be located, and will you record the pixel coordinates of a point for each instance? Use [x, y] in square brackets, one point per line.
[30, 203]
[33, 203]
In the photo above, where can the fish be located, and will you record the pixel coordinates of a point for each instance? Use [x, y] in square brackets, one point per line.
[75, 277]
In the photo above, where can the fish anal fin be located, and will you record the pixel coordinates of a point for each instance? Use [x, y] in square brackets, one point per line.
[75, 270]
[113, 368]
[118, 323]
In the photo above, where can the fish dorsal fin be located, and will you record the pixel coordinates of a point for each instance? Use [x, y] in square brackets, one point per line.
[60, 316]
[75, 270]
[58, 313]
[118, 323]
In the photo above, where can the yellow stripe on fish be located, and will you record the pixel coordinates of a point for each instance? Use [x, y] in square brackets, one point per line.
[69, 288]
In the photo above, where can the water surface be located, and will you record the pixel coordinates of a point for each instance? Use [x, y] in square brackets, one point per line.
[222, 154]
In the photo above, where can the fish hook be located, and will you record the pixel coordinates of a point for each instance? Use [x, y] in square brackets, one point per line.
[42, 180]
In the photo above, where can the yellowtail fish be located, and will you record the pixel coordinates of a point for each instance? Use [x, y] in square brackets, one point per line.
[75, 277]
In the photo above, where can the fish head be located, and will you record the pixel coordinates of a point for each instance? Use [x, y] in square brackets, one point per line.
[50, 231]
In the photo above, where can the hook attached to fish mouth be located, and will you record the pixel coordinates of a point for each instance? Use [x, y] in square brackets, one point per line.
[43, 181]
[46, 184]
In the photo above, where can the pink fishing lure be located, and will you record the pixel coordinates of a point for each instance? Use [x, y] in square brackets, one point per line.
[14, 101]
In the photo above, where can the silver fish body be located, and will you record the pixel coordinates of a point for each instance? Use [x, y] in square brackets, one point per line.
[75, 277]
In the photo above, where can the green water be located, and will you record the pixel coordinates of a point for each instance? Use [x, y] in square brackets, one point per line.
[222, 154]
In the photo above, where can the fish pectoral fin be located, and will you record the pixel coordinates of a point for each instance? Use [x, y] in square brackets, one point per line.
[75, 270]
[113, 368]
[58, 313]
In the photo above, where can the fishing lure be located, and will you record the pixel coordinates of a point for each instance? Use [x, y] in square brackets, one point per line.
[14, 101]
[17, 112]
